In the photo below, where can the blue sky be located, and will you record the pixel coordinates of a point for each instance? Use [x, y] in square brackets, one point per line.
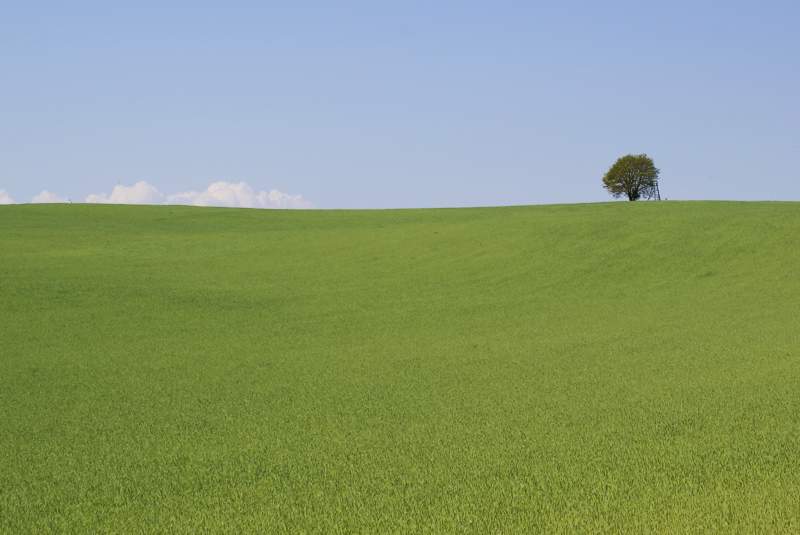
[402, 104]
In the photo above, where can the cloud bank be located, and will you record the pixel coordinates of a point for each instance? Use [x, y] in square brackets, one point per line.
[238, 194]
[5, 198]
[47, 197]
[139, 193]
[229, 194]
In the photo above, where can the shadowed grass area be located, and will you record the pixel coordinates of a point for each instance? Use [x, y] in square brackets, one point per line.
[612, 367]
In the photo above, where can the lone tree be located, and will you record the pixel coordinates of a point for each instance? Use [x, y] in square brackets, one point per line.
[633, 175]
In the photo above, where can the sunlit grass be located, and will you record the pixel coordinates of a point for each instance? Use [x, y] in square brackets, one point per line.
[610, 367]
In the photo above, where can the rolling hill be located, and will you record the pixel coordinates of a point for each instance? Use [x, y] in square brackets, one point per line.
[620, 367]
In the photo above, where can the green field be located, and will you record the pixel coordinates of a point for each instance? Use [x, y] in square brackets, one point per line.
[612, 367]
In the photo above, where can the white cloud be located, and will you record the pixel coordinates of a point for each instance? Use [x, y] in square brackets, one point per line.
[139, 193]
[47, 197]
[230, 194]
[239, 194]
[5, 198]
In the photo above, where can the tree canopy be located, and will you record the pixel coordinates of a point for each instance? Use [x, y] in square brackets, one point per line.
[633, 175]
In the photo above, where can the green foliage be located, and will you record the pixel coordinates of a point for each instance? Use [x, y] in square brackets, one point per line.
[634, 176]
[587, 368]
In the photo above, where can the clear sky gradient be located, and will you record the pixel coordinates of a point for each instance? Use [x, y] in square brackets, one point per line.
[402, 104]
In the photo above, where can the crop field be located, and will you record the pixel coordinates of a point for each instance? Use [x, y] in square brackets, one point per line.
[619, 367]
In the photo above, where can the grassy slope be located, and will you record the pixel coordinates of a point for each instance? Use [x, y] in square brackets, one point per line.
[596, 367]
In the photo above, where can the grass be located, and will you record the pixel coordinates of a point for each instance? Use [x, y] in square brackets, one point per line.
[613, 367]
